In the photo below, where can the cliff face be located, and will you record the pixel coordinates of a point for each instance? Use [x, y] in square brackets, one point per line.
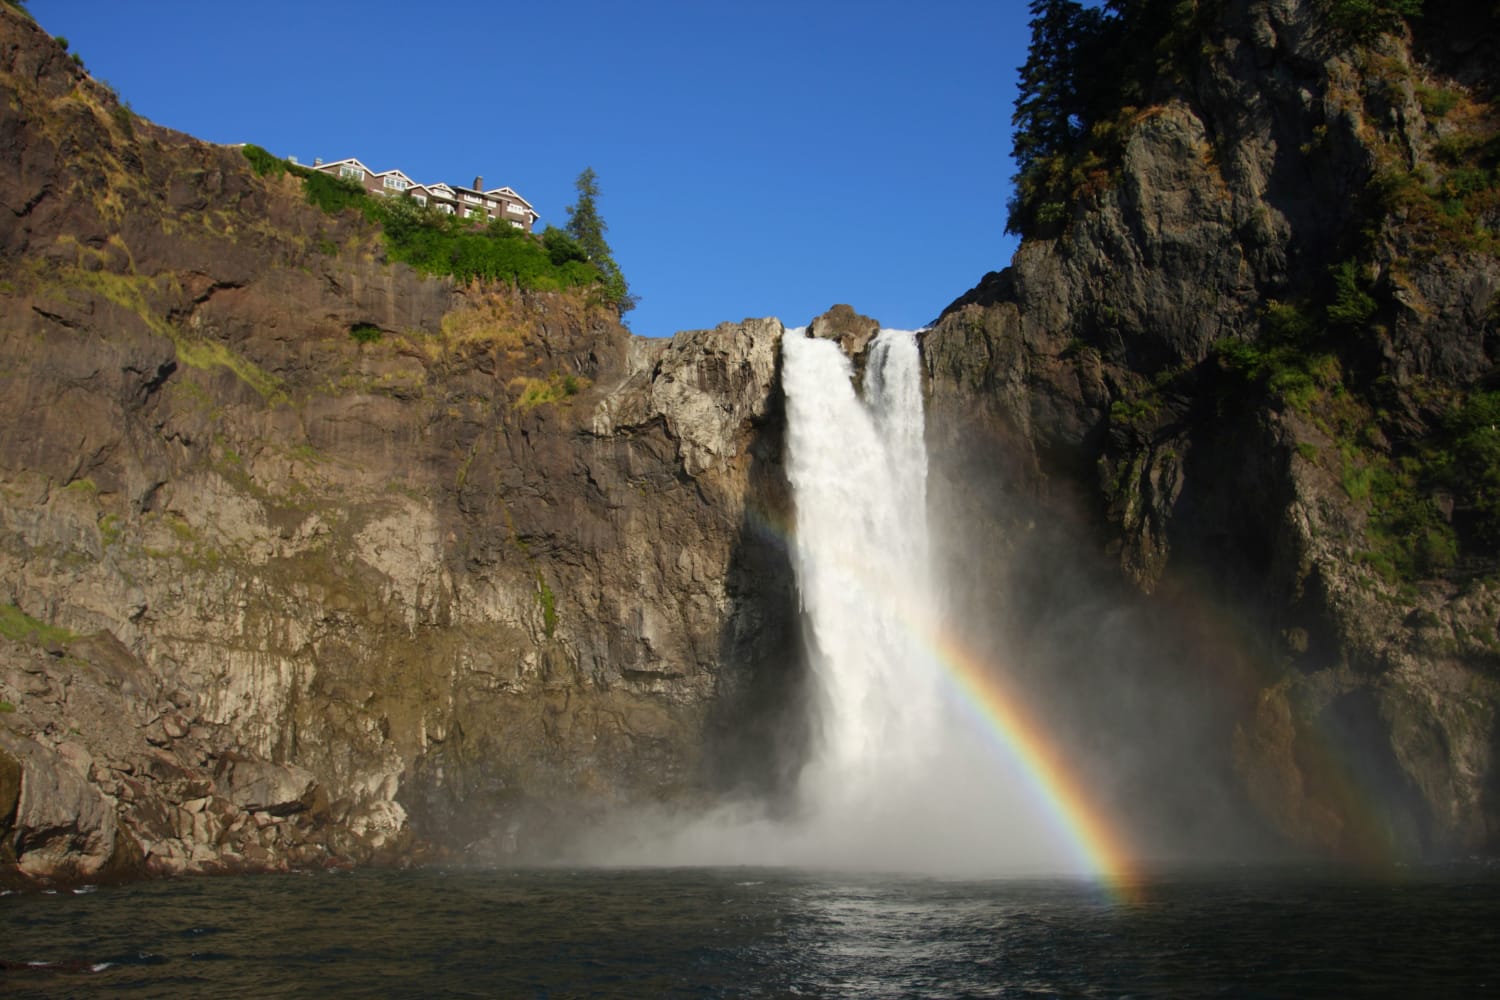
[1241, 373]
[276, 593]
[308, 558]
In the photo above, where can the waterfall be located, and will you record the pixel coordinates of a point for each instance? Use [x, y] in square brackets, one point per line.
[903, 773]
[858, 471]
[900, 776]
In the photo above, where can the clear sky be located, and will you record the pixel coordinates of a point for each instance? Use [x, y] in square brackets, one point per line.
[755, 157]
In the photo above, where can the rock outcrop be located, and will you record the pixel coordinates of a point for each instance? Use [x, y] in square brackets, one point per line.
[279, 595]
[1231, 375]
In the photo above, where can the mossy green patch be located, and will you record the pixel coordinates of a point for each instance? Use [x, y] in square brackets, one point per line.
[109, 529]
[555, 388]
[209, 354]
[18, 626]
[548, 602]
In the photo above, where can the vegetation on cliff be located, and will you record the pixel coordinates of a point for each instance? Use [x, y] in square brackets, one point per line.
[1411, 448]
[586, 229]
[1091, 69]
[437, 243]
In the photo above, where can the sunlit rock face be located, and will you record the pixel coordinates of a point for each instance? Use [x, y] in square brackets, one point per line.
[280, 595]
[1319, 625]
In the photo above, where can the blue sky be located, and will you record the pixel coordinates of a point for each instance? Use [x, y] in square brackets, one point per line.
[765, 158]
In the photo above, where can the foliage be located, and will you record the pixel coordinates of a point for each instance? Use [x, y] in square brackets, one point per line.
[365, 333]
[587, 227]
[1291, 361]
[438, 243]
[1088, 70]
[1437, 101]
[332, 194]
[1090, 67]
[1467, 461]
[262, 162]
[1352, 307]
[561, 247]
[553, 389]
[1363, 20]
[18, 626]
[6, 706]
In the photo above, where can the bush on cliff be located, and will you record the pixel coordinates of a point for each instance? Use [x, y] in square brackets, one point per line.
[437, 243]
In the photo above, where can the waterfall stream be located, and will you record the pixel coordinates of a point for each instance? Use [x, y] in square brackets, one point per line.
[902, 774]
[858, 470]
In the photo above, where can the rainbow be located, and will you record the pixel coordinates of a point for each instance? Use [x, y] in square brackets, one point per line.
[1100, 850]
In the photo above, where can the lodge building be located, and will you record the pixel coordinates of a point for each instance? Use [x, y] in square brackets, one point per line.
[467, 202]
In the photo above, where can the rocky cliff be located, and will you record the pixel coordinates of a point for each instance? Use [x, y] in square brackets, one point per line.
[308, 558]
[1252, 372]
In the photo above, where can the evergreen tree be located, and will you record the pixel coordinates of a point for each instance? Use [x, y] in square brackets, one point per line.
[587, 227]
[1047, 97]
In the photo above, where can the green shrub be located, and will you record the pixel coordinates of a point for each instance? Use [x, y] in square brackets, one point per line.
[263, 162]
[1352, 307]
[1436, 101]
[6, 706]
[366, 333]
[548, 601]
[1363, 20]
[434, 242]
[1291, 373]
[332, 194]
[553, 389]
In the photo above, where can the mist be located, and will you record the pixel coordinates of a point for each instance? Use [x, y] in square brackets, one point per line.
[907, 631]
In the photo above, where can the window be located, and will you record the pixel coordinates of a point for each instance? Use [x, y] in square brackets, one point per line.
[420, 199]
[513, 209]
[395, 183]
[352, 172]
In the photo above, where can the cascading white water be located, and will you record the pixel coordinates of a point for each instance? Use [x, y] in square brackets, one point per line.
[858, 470]
[902, 776]
[899, 776]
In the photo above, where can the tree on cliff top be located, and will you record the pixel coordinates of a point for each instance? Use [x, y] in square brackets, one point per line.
[1055, 105]
[587, 227]
[1089, 62]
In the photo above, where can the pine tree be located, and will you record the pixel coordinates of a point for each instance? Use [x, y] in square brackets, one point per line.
[587, 227]
[1047, 91]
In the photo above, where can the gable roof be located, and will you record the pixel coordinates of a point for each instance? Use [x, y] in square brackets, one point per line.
[339, 163]
[398, 173]
[510, 194]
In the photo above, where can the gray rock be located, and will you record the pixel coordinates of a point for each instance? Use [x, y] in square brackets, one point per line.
[260, 786]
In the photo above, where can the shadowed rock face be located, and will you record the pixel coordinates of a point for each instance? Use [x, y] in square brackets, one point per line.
[1095, 443]
[279, 596]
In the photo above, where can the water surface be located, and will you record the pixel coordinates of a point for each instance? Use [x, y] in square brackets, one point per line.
[757, 932]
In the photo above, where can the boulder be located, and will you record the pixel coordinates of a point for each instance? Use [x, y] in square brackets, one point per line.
[261, 786]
